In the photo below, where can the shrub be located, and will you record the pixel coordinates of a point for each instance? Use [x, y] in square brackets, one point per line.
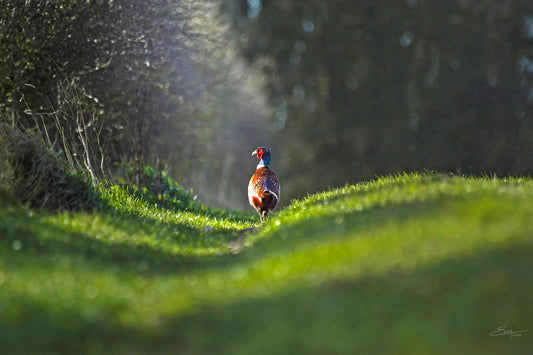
[39, 177]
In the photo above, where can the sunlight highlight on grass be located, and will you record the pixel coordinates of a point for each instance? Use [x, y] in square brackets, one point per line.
[157, 278]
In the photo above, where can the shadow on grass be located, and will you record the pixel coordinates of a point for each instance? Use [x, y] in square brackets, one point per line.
[448, 307]
[451, 307]
[61, 243]
[150, 259]
[229, 215]
[35, 331]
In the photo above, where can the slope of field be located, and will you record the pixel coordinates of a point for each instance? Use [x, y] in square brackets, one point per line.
[408, 264]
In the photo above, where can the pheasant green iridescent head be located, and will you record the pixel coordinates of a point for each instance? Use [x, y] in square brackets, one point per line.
[263, 154]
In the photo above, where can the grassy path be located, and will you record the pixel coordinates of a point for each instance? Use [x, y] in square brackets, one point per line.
[414, 263]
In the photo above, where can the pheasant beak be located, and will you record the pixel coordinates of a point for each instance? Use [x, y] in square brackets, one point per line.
[254, 153]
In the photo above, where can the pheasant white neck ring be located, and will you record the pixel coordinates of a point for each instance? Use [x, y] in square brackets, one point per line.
[261, 164]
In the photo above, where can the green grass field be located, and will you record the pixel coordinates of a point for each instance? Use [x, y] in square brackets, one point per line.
[403, 264]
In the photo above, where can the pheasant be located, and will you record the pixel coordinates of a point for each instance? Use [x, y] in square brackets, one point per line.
[263, 189]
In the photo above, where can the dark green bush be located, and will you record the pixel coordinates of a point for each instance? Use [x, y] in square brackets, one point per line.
[40, 178]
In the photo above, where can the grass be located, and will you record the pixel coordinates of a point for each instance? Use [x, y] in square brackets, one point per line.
[403, 264]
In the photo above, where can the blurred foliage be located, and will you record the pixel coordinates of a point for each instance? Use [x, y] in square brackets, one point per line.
[354, 89]
[63, 62]
[370, 87]
[39, 178]
[132, 81]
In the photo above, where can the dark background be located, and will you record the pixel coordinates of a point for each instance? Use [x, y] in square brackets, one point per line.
[341, 91]
[373, 87]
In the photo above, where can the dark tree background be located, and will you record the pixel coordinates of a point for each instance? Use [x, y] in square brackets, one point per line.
[341, 90]
[108, 84]
[363, 88]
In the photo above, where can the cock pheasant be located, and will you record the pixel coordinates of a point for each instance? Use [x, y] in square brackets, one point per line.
[263, 189]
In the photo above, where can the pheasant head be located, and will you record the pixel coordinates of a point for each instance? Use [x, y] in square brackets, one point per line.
[263, 154]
